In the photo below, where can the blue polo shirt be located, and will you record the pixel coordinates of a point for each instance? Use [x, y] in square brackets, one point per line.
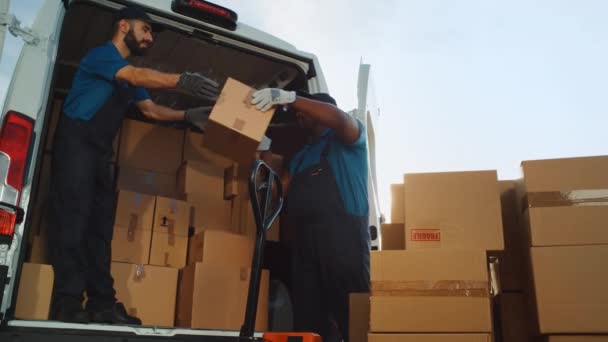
[94, 82]
[348, 163]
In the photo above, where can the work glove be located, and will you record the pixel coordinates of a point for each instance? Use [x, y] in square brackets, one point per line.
[198, 85]
[198, 116]
[265, 144]
[266, 98]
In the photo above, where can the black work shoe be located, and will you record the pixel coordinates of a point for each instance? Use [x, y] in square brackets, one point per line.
[68, 310]
[114, 314]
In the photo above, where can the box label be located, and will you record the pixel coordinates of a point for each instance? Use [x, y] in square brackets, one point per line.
[426, 235]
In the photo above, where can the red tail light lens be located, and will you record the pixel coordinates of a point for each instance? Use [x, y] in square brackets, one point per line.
[7, 223]
[15, 139]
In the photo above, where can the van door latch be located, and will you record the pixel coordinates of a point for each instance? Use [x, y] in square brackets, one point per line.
[14, 27]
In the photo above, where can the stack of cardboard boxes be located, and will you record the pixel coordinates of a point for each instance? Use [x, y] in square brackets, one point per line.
[182, 211]
[565, 204]
[438, 288]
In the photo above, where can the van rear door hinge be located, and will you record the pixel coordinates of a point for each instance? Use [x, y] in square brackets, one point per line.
[14, 27]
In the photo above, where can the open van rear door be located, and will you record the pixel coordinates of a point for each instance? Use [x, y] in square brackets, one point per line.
[22, 120]
[3, 23]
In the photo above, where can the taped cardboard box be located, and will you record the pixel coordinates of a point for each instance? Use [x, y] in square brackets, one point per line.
[453, 210]
[150, 147]
[430, 338]
[170, 233]
[146, 181]
[358, 317]
[195, 150]
[209, 212]
[397, 205]
[214, 296]
[561, 226]
[236, 128]
[515, 322]
[430, 291]
[201, 177]
[570, 285]
[133, 227]
[218, 247]
[147, 292]
[513, 264]
[35, 290]
[393, 236]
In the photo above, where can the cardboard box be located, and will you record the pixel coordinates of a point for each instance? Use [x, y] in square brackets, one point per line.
[512, 263]
[570, 289]
[358, 317]
[430, 338]
[560, 226]
[393, 236]
[231, 182]
[147, 292]
[171, 216]
[195, 150]
[235, 128]
[35, 290]
[582, 338]
[214, 296]
[515, 322]
[397, 205]
[428, 291]
[168, 250]
[209, 212]
[453, 210]
[218, 247]
[147, 182]
[133, 227]
[150, 147]
[201, 177]
[565, 174]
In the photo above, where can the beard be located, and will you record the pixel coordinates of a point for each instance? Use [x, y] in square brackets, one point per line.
[134, 45]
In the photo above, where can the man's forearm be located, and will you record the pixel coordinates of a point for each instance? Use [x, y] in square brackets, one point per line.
[162, 113]
[152, 79]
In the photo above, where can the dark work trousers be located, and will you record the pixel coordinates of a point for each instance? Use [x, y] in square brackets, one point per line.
[330, 253]
[82, 204]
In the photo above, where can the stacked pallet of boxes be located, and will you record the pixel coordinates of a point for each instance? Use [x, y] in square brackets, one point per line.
[438, 288]
[566, 214]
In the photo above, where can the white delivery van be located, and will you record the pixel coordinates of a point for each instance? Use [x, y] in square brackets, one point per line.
[202, 36]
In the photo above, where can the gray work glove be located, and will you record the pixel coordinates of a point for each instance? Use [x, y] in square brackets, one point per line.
[198, 85]
[198, 116]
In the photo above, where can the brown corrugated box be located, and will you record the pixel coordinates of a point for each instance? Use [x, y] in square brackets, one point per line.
[35, 289]
[235, 127]
[575, 338]
[515, 322]
[565, 174]
[512, 263]
[214, 296]
[430, 338]
[170, 233]
[150, 147]
[453, 210]
[575, 225]
[147, 182]
[133, 227]
[393, 236]
[570, 289]
[147, 292]
[397, 205]
[201, 177]
[231, 182]
[195, 150]
[426, 291]
[358, 317]
[218, 247]
[209, 212]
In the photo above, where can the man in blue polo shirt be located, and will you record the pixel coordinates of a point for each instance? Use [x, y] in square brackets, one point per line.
[327, 205]
[82, 193]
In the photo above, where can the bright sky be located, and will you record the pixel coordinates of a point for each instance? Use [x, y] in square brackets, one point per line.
[462, 85]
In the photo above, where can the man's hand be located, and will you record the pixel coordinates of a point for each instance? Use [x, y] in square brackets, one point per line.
[266, 98]
[198, 85]
[198, 116]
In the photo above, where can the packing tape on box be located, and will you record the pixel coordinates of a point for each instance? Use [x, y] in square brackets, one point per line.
[565, 198]
[439, 288]
[140, 272]
[133, 218]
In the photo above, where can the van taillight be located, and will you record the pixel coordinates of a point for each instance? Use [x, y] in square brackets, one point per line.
[15, 139]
